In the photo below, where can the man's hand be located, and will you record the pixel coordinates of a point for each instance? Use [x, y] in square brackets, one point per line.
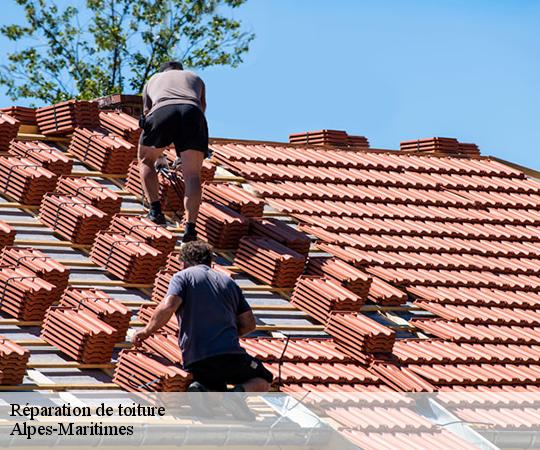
[139, 336]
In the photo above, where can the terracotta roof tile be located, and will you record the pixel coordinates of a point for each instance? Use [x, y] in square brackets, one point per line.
[121, 124]
[7, 234]
[340, 373]
[80, 334]
[40, 153]
[129, 258]
[64, 117]
[107, 153]
[24, 114]
[13, 361]
[145, 313]
[235, 198]
[91, 192]
[221, 226]
[72, 217]
[279, 231]
[9, 127]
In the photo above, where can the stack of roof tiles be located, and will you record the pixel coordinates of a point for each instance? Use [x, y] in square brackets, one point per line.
[63, 118]
[25, 181]
[39, 263]
[107, 309]
[221, 226]
[72, 218]
[147, 231]
[358, 335]
[139, 371]
[352, 278]
[24, 295]
[328, 137]
[164, 345]
[40, 153]
[127, 103]
[129, 258]
[449, 146]
[234, 197]
[79, 334]
[171, 198]
[13, 361]
[102, 151]
[91, 192]
[269, 261]
[24, 114]
[147, 310]
[9, 127]
[7, 234]
[281, 232]
[121, 124]
[161, 284]
[319, 297]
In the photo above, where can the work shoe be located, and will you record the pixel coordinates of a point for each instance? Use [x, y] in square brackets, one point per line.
[234, 401]
[199, 403]
[157, 218]
[189, 236]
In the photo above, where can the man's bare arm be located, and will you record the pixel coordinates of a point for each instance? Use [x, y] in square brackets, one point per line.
[161, 316]
[245, 323]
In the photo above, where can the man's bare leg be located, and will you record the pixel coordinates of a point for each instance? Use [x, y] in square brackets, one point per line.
[149, 179]
[191, 171]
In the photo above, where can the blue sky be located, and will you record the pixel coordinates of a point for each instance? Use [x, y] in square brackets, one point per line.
[389, 70]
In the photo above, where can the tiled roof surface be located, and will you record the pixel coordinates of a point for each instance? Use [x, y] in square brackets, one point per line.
[413, 271]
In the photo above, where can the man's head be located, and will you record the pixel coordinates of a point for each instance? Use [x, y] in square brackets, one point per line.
[171, 65]
[195, 253]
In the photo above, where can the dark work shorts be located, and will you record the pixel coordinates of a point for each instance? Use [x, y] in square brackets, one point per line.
[182, 125]
[216, 372]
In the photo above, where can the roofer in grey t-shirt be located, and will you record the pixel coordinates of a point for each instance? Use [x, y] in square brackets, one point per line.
[212, 313]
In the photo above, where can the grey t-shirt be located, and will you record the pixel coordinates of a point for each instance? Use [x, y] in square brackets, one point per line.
[207, 316]
[173, 87]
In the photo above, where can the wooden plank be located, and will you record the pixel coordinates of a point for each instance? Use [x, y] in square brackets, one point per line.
[17, 205]
[24, 223]
[110, 283]
[41, 137]
[69, 365]
[45, 243]
[96, 174]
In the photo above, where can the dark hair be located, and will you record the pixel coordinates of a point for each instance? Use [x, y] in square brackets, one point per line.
[196, 252]
[171, 65]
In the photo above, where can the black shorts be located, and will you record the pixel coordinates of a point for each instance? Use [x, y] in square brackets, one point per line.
[182, 125]
[216, 372]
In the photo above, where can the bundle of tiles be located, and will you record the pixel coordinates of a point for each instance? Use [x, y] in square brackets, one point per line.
[108, 310]
[25, 181]
[269, 261]
[145, 230]
[24, 114]
[447, 146]
[91, 192]
[281, 232]
[161, 284]
[42, 154]
[382, 293]
[357, 141]
[234, 197]
[72, 218]
[139, 371]
[319, 297]
[221, 226]
[104, 152]
[13, 361]
[127, 257]
[24, 295]
[79, 334]
[171, 198]
[9, 127]
[349, 276]
[121, 124]
[38, 263]
[321, 137]
[145, 314]
[63, 118]
[359, 336]
[175, 264]
[7, 234]
[164, 345]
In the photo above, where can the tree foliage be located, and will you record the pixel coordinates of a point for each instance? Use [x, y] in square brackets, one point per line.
[112, 46]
